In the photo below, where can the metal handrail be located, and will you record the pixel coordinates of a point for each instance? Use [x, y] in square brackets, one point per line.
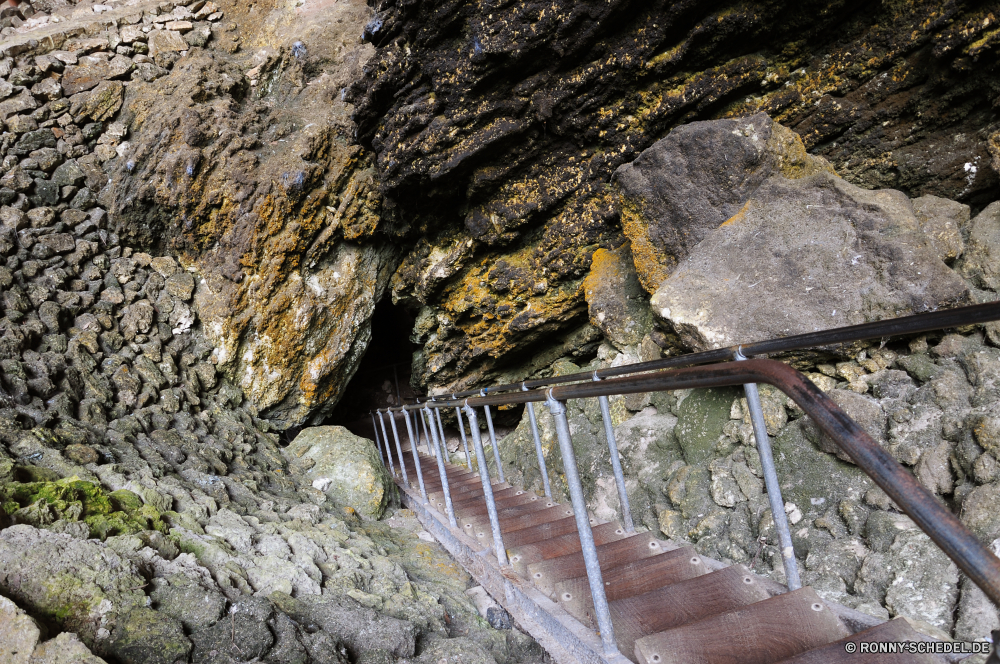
[971, 555]
[915, 324]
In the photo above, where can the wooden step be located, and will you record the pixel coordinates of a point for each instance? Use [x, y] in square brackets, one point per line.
[541, 532]
[522, 556]
[893, 631]
[631, 580]
[681, 603]
[547, 573]
[762, 633]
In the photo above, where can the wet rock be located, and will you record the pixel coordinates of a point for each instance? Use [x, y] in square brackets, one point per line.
[144, 636]
[796, 262]
[344, 467]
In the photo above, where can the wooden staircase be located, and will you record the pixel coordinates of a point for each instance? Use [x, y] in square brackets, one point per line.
[669, 605]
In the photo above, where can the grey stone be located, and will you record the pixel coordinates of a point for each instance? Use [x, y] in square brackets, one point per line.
[684, 186]
[192, 604]
[981, 263]
[943, 221]
[780, 267]
[85, 76]
[861, 408]
[244, 637]
[362, 630]
[19, 635]
[343, 466]
[47, 572]
[64, 649]
[19, 104]
[34, 140]
[980, 514]
[60, 243]
[180, 285]
[144, 636]
[69, 174]
[925, 586]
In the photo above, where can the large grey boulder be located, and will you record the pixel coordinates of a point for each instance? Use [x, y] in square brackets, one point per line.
[345, 467]
[805, 255]
[684, 186]
[82, 586]
[981, 262]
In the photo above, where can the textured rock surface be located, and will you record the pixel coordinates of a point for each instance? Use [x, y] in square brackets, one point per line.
[345, 467]
[685, 186]
[806, 255]
[496, 129]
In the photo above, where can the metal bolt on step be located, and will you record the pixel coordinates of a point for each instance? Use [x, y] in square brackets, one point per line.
[771, 481]
[484, 477]
[538, 446]
[616, 464]
[587, 546]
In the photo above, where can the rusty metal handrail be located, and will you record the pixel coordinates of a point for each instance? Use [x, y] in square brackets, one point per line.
[915, 324]
[943, 527]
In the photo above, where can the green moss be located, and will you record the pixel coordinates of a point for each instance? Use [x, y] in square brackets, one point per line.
[105, 513]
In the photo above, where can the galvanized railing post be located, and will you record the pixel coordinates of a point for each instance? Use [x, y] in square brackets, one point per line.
[601, 610]
[493, 441]
[538, 446]
[484, 476]
[440, 426]
[427, 438]
[465, 442]
[388, 452]
[399, 448]
[416, 455]
[445, 487]
[377, 441]
[771, 482]
[616, 464]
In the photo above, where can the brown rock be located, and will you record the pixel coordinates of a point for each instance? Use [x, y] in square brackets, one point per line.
[615, 299]
[180, 285]
[102, 103]
[81, 454]
[85, 76]
[61, 243]
[161, 41]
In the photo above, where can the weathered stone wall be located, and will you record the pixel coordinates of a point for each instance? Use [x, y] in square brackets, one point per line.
[496, 130]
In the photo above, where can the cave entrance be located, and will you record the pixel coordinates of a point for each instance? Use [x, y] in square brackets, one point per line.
[383, 376]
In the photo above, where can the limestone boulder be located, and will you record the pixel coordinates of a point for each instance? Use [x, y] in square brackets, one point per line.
[981, 263]
[82, 586]
[805, 255]
[684, 186]
[345, 467]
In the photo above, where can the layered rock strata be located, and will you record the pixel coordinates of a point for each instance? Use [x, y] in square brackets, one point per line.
[496, 130]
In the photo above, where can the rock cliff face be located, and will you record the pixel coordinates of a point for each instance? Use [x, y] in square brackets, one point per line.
[244, 168]
[497, 128]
